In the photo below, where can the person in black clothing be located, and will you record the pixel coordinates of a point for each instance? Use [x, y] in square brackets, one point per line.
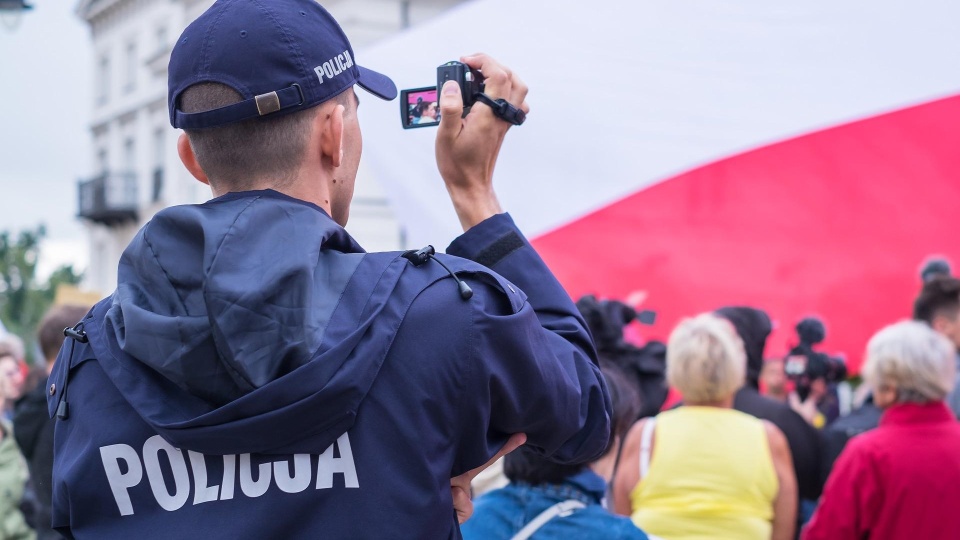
[646, 366]
[837, 434]
[32, 425]
[816, 375]
[753, 326]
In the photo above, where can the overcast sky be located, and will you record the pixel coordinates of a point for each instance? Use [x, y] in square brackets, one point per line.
[45, 104]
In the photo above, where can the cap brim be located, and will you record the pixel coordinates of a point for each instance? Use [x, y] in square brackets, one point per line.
[377, 84]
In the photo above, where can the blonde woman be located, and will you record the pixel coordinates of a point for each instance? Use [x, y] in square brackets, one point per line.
[902, 479]
[705, 470]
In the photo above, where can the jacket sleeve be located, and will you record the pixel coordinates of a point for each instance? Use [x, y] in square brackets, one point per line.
[848, 503]
[536, 366]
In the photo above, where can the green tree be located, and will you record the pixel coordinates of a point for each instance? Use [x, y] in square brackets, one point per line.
[23, 300]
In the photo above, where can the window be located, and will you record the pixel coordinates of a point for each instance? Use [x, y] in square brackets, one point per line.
[102, 160]
[130, 78]
[129, 156]
[159, 138]
[125, 187]
[103, 80]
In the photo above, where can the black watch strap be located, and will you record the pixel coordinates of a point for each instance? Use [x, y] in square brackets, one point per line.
[502, 109]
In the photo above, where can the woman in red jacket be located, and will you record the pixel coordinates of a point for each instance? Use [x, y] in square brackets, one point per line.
[901, 480]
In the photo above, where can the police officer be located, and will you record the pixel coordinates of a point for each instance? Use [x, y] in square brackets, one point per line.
[256, 374]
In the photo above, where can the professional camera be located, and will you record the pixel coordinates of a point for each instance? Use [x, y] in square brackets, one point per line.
[645, 366]
[420, 107]
[805, 365]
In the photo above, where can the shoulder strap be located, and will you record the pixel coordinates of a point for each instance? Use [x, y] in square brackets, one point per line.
[561, 509]
[646, 445]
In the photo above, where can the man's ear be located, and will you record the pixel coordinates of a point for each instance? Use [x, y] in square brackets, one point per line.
[331, 138]
[189, 159]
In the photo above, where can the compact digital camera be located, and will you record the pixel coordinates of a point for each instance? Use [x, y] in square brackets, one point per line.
[420, 107]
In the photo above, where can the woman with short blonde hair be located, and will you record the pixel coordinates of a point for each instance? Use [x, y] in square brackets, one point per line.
[902, 479]
[705, 360]
[705, 470]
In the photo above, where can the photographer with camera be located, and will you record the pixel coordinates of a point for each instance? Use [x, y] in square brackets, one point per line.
[256, 374]
[645, 366]
[815, 376]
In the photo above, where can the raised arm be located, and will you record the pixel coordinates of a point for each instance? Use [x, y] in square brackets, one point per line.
[536, 362]
[467, 148]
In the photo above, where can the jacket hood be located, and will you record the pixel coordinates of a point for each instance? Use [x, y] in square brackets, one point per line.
[229, 312]
[753, 326]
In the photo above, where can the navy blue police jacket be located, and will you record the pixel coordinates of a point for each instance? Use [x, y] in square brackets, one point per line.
[257, 375]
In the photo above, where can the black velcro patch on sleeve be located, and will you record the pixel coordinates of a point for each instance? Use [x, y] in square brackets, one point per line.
[504, 246]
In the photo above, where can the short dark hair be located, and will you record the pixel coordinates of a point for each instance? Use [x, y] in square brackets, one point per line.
[236, 155]
[50, 332]
[939, 297]
[525, 465]
[423, 106]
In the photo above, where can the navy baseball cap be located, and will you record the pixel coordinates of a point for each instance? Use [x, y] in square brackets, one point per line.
[282, 56]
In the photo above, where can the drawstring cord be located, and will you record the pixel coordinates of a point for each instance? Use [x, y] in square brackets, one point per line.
[76, 334]
[421, 256]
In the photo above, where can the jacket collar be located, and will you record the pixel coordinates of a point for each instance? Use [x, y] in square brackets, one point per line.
[933, 412]
[586, 486]
[269, 193]
[590, 483]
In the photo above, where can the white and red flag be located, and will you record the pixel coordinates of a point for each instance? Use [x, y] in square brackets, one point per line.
[801, 157]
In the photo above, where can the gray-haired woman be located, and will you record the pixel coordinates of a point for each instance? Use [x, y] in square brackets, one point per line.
[901, 480]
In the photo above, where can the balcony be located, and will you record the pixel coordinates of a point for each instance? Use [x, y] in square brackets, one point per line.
[109, 199]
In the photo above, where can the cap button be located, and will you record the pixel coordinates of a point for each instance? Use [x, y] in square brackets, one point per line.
[53, 389]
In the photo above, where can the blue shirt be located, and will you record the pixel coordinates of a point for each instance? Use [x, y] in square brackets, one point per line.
[501, 513]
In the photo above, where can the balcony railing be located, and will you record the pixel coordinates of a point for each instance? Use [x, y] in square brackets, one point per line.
[110, 199]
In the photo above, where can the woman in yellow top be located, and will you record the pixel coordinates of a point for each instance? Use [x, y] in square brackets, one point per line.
[703, 470]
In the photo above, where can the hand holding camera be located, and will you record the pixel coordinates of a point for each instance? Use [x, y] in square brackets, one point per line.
[418, 106]
[469, 135]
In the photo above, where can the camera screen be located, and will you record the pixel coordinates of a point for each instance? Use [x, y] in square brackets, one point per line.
[420, 107]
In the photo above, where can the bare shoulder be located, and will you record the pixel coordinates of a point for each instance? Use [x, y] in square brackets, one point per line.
[775, 438]
[632, 440]
[631, 444]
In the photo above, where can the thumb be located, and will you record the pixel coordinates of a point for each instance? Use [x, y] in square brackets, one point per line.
[451, 108]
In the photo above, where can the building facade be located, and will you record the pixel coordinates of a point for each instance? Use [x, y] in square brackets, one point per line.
[136, 168]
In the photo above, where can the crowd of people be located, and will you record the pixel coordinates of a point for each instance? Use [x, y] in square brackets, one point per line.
[257, 374]
[26, 429]
[731, 462]
[726, 462]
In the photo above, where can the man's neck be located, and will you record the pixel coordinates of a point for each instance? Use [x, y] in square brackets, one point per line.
[298, 188]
